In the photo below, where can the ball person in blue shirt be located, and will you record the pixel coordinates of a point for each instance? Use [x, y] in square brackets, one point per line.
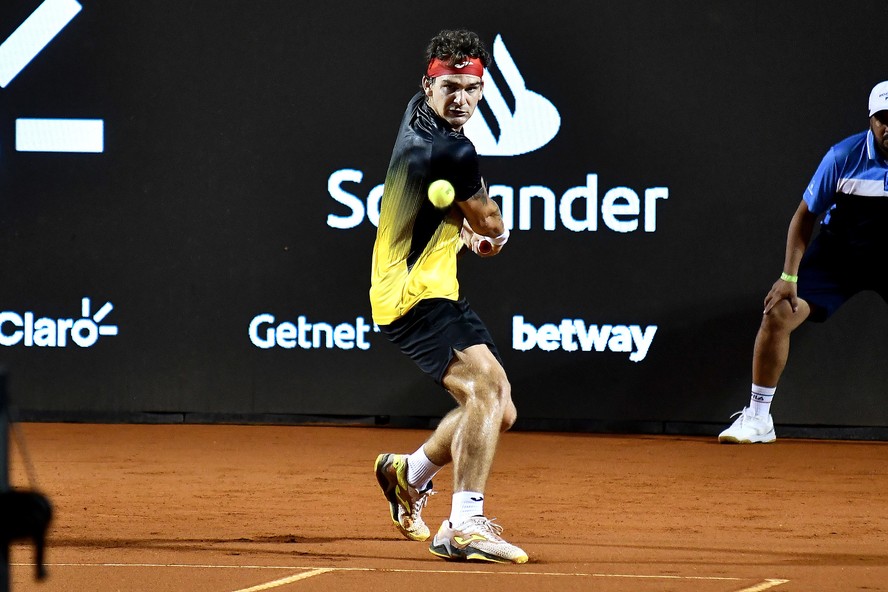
[850, 190]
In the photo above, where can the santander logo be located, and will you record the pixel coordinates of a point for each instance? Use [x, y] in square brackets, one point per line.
[532, 125]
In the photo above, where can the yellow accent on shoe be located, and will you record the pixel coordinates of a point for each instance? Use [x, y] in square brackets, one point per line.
[405, 502]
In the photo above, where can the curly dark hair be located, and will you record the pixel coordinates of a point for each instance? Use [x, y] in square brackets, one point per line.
[455, 46]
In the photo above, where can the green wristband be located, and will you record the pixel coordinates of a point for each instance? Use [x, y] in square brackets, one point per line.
[789, 278]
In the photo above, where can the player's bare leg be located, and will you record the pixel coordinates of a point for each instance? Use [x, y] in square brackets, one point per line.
[478, 382]
[754, 423]
[772, 341]
[437, 447]
[461, 376]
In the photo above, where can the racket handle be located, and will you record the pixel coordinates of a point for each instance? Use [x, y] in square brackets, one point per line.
[484, 247]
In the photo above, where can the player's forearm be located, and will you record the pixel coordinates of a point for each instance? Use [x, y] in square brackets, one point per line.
[491, 225]
[483, 215]
[801, 228]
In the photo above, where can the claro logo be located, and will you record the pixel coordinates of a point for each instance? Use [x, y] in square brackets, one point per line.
[529, 125]
[31, 331]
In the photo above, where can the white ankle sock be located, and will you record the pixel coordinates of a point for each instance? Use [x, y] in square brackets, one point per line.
[760, 399]
[420, 469]
[465, 505]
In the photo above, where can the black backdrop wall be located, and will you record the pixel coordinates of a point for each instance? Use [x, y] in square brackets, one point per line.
[208, 252]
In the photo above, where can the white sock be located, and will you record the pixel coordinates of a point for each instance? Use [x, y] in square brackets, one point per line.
[465, 505]
[420, 469]
[760, 399]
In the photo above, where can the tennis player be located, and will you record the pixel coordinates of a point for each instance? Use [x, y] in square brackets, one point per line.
[850, 189]
[415, 300]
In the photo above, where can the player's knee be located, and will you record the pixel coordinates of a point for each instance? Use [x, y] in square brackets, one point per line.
[502, 393]
[779, 319]
[493, 391]
[769, 324]
[491, 381]
[510, 415]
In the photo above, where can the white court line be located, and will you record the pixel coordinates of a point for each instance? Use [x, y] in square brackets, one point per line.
[396, 570]
[313, 571]
[287, 580]
[766, 585]
[180, 565]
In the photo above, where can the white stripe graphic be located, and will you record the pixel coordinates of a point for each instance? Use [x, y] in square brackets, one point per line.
[103, 312]
[865, 187]
[60, 135]
[33, 35]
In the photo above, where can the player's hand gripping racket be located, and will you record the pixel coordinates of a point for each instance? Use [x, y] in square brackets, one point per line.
[480, 244]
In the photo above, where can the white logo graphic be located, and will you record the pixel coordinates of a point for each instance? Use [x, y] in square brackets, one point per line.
[579, 208]
[59, 135]
[465, 64]
[266, 332]
[583, 207]
[574, 335]
[533, 124]
[33, 35]
[46, 332]
[16, 52]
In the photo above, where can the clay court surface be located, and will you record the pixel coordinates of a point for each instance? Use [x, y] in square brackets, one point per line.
[204, 508]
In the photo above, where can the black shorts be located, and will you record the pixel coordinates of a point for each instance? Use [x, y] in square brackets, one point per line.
[832, 272]
[433, 328]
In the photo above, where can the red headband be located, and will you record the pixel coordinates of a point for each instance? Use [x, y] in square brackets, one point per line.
[471, 66]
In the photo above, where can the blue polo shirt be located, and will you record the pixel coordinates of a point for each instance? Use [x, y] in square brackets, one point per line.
[851, 187]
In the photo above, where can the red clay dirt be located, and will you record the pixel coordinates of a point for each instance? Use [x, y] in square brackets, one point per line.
[221, 508]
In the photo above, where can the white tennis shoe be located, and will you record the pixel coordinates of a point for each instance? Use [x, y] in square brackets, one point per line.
[476, 539]
[749, 428]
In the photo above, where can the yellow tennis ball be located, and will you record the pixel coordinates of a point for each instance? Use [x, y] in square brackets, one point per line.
[441, 193]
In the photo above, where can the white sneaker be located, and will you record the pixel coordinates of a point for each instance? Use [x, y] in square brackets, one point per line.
[475, 539]
[405, 501]
[749, 429]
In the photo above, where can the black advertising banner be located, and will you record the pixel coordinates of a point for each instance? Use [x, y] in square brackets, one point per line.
[189, 193]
